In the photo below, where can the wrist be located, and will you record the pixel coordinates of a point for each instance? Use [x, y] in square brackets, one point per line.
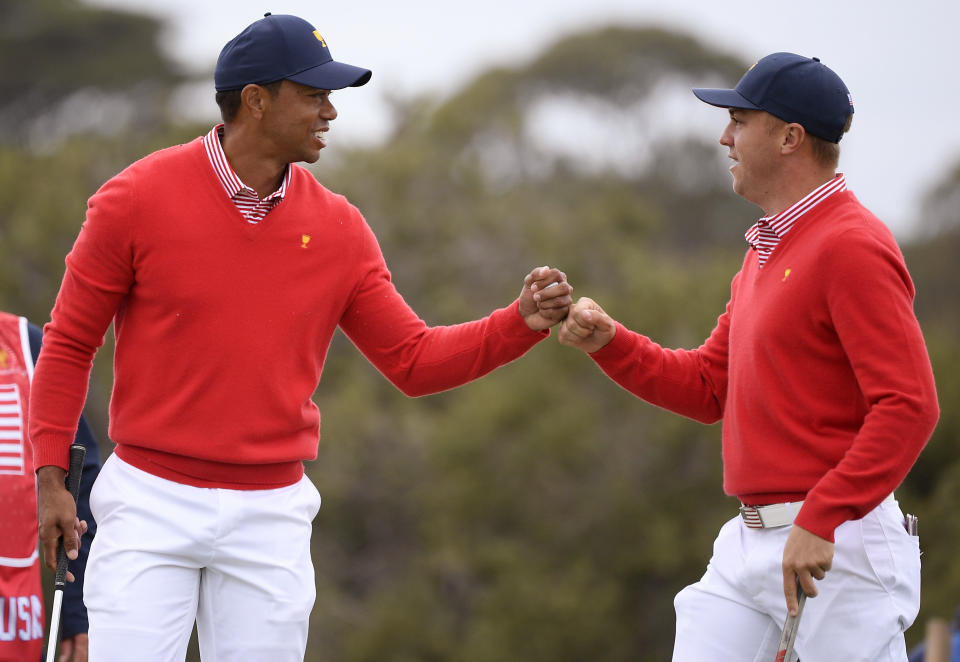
[51, 476]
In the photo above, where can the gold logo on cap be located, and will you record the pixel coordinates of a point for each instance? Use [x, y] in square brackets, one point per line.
[316, 33]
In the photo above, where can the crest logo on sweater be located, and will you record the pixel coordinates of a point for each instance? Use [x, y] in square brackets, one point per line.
[786, 275]
[3, 359]
[304, 240]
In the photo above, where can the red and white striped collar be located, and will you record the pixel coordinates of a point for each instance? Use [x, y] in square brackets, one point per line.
[231, 182]
[781, 223]
[764, 235]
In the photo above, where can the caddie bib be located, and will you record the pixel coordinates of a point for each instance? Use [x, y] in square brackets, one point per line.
[21, 602]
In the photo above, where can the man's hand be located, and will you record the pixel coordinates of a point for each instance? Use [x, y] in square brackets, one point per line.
[587, 327]
[57, 514]
[806, 556]
[74, 649]
[545, 298]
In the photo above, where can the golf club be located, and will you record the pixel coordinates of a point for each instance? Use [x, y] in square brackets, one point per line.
[77, 453]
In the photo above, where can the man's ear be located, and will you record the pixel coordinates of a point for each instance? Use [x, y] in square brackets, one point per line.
[794, 135]
[253, 99]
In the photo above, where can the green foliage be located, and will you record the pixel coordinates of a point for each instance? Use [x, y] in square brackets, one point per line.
[520, 515]
[617, 63]
[54, 37]
[540, 513]
[931, 489]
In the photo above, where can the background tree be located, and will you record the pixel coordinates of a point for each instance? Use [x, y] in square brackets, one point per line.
[933, 486]
[68, 67]
[83, 93]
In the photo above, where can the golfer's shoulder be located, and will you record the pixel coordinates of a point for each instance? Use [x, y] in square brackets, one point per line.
[166, 163]
[163, 174]
[856, 246]
[846, 228]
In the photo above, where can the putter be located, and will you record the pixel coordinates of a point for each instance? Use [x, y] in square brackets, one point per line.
[789, 636]
[77, 453]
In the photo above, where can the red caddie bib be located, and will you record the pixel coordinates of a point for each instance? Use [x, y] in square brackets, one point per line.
[21, 603]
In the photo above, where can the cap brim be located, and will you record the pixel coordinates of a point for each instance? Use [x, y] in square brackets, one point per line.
[332, 75]
[723, 98]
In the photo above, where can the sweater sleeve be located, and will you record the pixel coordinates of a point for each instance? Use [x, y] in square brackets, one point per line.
[99, 273]
[417, 358]
[869, 296]
[692, 383]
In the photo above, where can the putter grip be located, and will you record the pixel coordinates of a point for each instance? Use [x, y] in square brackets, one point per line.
[77, 453]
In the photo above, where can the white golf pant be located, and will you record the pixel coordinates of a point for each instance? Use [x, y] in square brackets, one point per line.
[864, 604]
[235, 561]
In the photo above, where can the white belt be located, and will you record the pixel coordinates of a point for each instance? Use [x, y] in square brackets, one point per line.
[775, 514]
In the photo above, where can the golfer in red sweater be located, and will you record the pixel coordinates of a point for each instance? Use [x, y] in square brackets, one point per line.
[225, 270]
[821, 376]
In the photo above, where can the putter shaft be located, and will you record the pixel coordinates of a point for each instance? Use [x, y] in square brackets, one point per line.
[790, 627]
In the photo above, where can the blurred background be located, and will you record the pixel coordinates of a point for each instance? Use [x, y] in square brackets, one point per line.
[540, 513]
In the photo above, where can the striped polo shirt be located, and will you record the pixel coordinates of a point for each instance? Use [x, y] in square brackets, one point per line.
[766, 233]
[245, 198]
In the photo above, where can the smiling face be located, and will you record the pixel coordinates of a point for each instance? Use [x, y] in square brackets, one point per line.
[295, 122]
[753, 138]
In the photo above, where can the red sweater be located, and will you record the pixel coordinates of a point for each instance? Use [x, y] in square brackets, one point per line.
[222, 327]
[818, 369]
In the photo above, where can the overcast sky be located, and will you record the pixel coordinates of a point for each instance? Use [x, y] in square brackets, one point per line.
[898, 59]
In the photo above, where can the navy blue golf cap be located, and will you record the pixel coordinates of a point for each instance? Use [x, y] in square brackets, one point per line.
[282, 46]
[795, 89]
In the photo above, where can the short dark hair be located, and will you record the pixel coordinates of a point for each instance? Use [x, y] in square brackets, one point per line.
[229, 100]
